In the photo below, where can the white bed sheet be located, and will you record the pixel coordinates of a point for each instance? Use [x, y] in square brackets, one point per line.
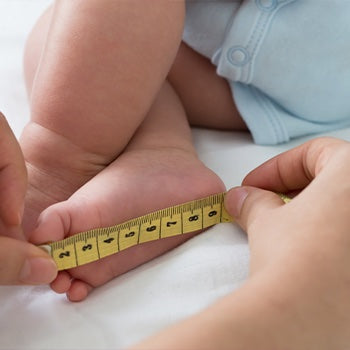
[152, 296]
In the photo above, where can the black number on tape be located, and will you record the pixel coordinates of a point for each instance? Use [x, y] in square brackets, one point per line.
[212, 213]
[130, 234]
[169, 223]
[193, 218]
[109, 240]
[63, 254]
[87, 247]
[151, 228]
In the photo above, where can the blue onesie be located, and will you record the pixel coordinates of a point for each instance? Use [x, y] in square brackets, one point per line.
[287, 61]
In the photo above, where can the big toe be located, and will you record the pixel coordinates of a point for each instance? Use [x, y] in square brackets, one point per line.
[54, 223]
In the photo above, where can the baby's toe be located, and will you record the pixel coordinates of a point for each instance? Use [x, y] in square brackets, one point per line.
[79, 290]
[53, 225]
[62, 283]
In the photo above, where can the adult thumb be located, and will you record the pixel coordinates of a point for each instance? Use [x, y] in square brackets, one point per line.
[245, 204]
[24, 263]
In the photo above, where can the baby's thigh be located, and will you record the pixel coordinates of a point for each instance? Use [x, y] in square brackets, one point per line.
[206, 97]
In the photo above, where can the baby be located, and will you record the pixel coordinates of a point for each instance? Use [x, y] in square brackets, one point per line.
[113, 93]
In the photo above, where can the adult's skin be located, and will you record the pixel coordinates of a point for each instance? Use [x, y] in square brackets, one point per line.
[297, 293]
[20, 261]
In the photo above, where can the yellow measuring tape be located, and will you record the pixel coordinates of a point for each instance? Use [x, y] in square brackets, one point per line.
[95, 244]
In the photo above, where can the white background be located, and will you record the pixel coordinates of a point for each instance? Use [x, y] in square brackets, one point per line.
[147, 299]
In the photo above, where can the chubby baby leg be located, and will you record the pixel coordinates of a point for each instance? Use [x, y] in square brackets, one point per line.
[93, 69]
[158, 168]
[207, 97]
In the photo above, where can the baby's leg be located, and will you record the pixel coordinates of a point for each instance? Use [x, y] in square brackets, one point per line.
[206, 97]
[100, 70]
[88, 98]
[158, 168]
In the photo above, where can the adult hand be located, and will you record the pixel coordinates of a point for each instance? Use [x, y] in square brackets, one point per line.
[20, 262]
[301, 249]
[297, 294]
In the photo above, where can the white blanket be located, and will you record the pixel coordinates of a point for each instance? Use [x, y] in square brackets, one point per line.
[152, 296]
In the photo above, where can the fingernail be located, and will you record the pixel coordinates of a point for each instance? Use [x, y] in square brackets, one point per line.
[234, 201]
[38, 271]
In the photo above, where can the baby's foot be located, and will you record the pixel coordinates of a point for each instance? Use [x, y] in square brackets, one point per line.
[56, 169]
[136, 183]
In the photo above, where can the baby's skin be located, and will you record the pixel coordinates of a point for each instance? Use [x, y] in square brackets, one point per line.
[109, 139]
[150, 174]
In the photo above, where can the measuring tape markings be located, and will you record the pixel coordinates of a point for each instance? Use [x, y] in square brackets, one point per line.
[92, 245]
[95, 244]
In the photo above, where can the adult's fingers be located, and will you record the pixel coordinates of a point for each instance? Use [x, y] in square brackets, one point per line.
[24, 263]
[246, 204]
[296, 168]
[13, 176]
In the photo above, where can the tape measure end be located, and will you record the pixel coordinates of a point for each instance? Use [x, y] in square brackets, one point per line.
[46, 247]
